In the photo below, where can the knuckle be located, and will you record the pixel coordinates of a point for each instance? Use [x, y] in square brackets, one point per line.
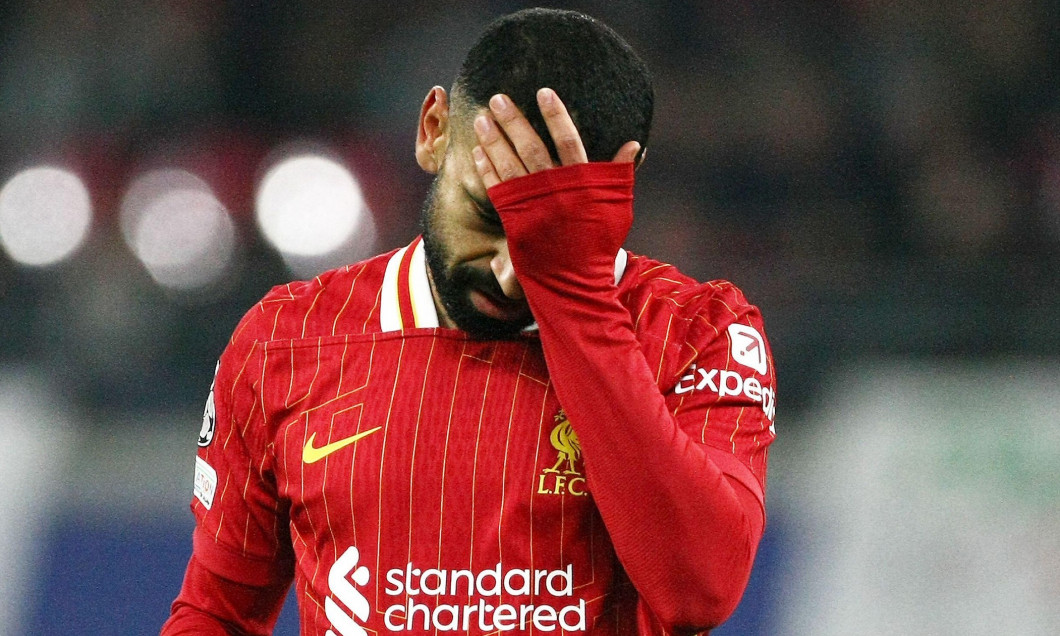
[536, 154]
[507, 171]
[506, 116]
[568, 142]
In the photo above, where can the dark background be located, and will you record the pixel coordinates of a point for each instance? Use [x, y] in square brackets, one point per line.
[878, 177]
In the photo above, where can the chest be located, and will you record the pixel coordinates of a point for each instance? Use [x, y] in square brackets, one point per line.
[426, 449]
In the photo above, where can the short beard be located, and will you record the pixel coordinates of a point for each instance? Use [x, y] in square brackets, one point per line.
[453, 285]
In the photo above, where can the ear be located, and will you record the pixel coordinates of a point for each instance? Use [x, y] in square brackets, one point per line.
[432, 134]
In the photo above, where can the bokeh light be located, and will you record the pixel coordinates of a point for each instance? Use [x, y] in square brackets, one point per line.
[178, 229]
[45, 215]
[309, 206]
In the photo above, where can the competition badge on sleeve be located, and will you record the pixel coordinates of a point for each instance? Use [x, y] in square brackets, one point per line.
[209, 416]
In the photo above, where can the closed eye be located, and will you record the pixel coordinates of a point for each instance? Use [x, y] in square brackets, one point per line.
[490, 217]
[486, 213]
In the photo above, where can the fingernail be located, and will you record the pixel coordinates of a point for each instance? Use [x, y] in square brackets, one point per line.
[482, 124]
[546, 95]
[499, 103]
[478, 154]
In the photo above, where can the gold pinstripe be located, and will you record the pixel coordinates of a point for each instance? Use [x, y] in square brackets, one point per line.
[312, 306]
[445, 453]
[353, 466]
[373, 312]
[542, 419]
[346, 303]
[415, 440]
[507, 445]
[382, 459]
[662, 351]
[640, 313]
[478, 453]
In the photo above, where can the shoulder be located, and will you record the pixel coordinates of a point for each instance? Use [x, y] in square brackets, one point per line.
[657, 292]
[341, 300]
[679, 320]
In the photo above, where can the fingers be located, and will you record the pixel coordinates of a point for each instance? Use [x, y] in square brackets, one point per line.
[529, 147]
[627, 153]
[561, 127]
[484, 167]
[498, 150]
[509, 147]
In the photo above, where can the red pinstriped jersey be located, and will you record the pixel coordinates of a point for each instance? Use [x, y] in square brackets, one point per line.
[415, 480]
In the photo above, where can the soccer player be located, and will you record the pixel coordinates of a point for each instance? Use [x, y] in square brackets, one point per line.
[510, 425]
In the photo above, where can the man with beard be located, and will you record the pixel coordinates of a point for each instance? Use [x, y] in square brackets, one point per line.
[512, 424]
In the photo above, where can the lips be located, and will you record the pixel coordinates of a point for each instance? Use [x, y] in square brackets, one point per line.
[499, 307]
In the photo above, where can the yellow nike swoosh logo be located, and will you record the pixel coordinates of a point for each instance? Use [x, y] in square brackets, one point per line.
[312, 454]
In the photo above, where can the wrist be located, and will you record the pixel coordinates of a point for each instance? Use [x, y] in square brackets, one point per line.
[573, 216]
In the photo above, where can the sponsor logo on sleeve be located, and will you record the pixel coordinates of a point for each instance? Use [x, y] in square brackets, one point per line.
[205, 482]
[728, 383]
[748, 347]
[444, 600]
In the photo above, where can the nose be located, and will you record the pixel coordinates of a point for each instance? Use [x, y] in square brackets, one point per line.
[501, 264]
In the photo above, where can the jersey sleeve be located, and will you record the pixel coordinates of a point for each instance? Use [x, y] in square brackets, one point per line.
[724, 394]
[684, 530]
[241, 528]
[211, 605]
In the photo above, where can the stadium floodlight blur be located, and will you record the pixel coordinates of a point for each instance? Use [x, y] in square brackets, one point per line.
[311, 208]
[178, 229]
[45, 215]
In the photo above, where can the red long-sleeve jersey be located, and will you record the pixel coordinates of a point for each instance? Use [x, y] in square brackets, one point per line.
[604, 474]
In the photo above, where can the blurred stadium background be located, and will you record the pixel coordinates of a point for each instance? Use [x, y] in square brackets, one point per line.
[881, 178]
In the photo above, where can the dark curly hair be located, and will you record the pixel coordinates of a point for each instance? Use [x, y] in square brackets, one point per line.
[604, 84]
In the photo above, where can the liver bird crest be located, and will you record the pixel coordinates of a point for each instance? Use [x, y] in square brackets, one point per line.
[565, 441]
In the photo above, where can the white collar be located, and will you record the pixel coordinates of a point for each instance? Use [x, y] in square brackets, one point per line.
[407, 301]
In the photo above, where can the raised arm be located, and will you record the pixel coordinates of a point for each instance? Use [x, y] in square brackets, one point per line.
[685, 518]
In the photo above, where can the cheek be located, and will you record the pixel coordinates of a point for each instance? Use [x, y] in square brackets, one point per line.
[442, 221]
[465, 242]
[455, 223]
